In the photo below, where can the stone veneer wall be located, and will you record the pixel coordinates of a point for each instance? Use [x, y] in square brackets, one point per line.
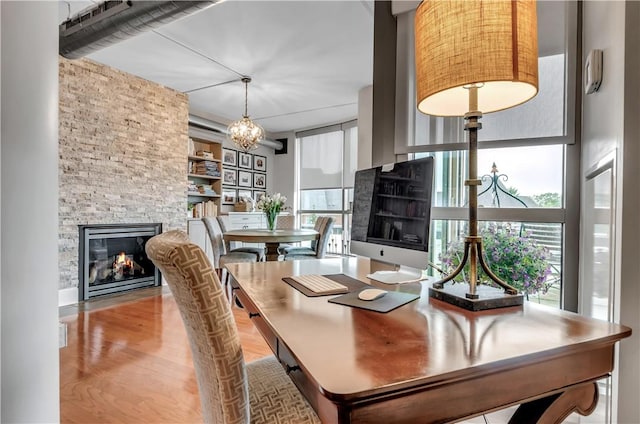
[123, 154]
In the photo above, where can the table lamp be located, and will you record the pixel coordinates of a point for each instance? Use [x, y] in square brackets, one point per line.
[475, 57]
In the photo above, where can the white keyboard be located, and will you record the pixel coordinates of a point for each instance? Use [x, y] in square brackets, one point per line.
[320, 284]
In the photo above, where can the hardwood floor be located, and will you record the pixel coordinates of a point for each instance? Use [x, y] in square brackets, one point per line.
[130, 362]
[127, 360]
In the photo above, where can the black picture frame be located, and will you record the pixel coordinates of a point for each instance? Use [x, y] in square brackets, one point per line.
[244, 178]
[258, 194]
[230, 177]
[260, 181]
[229, 157]
[229, 196]
[259, 163]
[244, 160]
[245, 193]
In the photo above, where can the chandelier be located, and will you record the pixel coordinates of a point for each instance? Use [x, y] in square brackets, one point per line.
[245, 133]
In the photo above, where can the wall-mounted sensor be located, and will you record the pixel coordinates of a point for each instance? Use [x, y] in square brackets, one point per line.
[593, 71]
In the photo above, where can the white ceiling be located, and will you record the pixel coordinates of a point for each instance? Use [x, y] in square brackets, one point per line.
[307, 59]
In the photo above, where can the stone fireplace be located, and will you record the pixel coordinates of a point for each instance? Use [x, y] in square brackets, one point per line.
[122, 160]
[112, 258]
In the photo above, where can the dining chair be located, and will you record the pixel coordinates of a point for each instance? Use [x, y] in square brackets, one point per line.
[221, 256]
[318, 249]
[285, 222]
[231, 391]
[225, 225]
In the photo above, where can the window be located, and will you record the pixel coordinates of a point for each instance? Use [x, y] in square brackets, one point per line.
[522, 192]
[327, 164]
[549, 118]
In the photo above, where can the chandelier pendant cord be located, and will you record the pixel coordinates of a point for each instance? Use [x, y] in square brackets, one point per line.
[246, 98]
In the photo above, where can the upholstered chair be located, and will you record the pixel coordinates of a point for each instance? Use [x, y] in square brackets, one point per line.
[225, 224]
[220, 255]
[285, 222]
[318, 249]
[231, 392]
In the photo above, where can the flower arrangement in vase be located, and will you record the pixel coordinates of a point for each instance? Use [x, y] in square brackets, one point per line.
[271, 205]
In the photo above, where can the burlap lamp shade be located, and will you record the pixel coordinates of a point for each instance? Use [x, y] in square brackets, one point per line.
[462, 42]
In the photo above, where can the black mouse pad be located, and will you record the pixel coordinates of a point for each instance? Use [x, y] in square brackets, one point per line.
[386, 303]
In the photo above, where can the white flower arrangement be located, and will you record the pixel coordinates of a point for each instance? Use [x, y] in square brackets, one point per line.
[271, 203]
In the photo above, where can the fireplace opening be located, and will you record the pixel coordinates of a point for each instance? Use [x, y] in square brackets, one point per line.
[113, 258]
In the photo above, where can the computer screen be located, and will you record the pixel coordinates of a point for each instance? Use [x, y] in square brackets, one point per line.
[391, 217]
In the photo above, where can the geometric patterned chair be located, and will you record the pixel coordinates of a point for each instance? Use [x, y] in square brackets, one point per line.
[221, 256]
[231, 392]
[323, 225]
[225, 224]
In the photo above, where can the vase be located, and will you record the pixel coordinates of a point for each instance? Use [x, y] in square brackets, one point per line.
[271, 220]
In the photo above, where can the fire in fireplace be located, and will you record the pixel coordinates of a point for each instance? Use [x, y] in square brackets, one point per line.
[113, 258]
[124, 266]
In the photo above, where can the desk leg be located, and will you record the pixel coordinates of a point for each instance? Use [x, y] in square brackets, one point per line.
[582, 399]
[272, 251]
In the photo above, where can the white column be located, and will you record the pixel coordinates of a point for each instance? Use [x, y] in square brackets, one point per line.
[29, 212]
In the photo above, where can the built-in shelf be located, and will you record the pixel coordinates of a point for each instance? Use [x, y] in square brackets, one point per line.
[194, 194]
[205, 204]
[191, 157]
[206, 177]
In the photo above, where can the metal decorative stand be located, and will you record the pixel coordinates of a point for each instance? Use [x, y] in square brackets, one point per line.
[488, 297]
[495, 187]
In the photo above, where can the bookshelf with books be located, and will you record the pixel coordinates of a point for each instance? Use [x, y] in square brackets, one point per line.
[204, 177]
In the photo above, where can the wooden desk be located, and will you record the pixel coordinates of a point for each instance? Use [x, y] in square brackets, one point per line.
[271, 239]
[426, 362]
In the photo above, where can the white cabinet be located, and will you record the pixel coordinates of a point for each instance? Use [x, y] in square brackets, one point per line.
[198, 235]
[247, 220]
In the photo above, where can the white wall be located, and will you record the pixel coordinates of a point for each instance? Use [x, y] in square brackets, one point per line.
[284, 171]
[272, 181]
[609, 124]
[29, 218]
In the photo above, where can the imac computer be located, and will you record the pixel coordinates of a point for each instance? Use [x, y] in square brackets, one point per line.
[391, 218]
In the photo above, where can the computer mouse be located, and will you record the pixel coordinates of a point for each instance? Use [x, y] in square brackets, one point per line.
[371, 294]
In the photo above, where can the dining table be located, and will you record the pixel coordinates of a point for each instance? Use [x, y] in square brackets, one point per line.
[271, 238]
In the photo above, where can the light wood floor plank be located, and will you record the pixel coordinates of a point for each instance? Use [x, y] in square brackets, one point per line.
[130, 362]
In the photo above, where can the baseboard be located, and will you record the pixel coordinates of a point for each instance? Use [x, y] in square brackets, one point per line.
[67, 296]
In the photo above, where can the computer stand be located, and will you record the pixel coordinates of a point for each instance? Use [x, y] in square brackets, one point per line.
[399, 275]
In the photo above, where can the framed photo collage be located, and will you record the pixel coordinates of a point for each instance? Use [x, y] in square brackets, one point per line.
[243, 175]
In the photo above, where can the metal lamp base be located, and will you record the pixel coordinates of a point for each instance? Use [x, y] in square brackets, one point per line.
[488, 297]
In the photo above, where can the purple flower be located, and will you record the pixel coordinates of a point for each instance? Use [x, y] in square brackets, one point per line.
[515, 257]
